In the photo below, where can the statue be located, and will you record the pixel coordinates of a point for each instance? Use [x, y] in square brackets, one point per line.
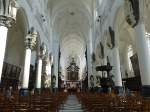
[92, 81]
[132, 12]
[8, 11]
[53, 81]
[102, 50]
[111, 44]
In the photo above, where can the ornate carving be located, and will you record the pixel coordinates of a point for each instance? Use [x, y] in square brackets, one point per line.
[111, 38]
[30, 41]
[46, 57]
[46, 81]
[43, 52]
[8, 11]
[132, 12]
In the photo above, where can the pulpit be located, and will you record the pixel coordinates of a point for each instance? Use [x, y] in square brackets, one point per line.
[106, 82]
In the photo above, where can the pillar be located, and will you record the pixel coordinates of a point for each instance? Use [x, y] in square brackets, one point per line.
[30, 42]
[135, 18]
[89, 67]
[143, 57]
[56, 67]
[41, 55]
[38, 74]
[26, 69]
[116, 67]
[89, 58]
[3, 39]
[47, 72]
[8, 11]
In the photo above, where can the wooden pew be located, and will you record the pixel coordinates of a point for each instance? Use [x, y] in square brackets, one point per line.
[45, 102]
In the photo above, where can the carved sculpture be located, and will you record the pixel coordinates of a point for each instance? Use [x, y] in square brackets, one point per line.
[30, 40]
[43, 50]
[111, 38]
[53, 81]
[102, 50]
[8, 11]
[92, 80]
[46, 81]
[132, 12]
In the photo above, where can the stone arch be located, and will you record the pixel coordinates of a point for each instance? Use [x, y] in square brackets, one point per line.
[15, 48]
[15, 39]
[124, 37]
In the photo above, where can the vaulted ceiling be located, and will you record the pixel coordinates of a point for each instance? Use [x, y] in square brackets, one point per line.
[71, 20]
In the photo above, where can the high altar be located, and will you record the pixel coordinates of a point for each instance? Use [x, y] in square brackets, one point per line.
[72, 76]
[73, 71]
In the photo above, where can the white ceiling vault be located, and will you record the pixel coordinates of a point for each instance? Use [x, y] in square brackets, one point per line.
[71, 20]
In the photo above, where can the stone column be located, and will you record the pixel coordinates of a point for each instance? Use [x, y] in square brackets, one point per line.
[144, 58]
[41, 56]
[89, 67]
[134, 16]
[56, 63]
[46, 81]
[39, 74]
[116, 67]
[89, 59]
[30, 43]
[7, 18]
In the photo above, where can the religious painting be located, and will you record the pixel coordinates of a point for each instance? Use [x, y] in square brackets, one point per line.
[8, 71]
[135, 64]
[4, 69]
[18, 72]
[13, 71]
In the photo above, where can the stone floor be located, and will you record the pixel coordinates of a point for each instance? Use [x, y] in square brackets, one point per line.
[71, 105]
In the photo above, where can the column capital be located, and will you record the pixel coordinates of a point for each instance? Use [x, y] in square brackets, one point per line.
[43, 51]
[46, 58]
[8, 11]
[30, 40]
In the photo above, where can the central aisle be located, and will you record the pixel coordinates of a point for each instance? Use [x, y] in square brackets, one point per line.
[71, 105]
